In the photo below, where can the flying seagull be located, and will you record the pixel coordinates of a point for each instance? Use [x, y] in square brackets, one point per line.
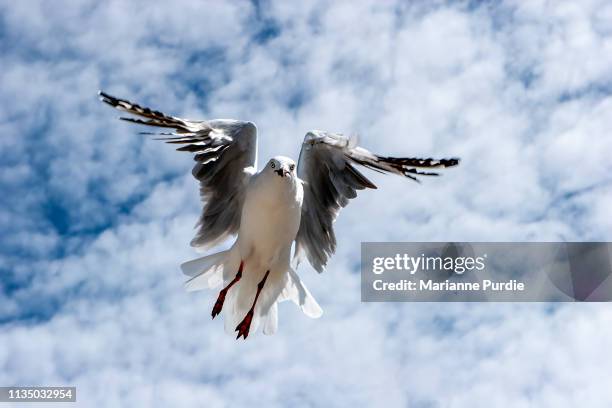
[267, 210]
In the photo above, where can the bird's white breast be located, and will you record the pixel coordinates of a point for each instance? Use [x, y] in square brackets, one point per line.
[270, 218]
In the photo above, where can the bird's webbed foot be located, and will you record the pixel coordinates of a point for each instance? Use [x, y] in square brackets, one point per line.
[245, 325]
[218, 304]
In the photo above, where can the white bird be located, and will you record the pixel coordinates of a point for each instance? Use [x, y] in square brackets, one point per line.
[267, 210]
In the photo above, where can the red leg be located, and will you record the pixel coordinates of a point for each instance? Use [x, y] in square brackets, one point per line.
[219, 303]
[245, 324]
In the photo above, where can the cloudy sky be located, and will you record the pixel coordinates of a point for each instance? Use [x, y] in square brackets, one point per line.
[95, 219]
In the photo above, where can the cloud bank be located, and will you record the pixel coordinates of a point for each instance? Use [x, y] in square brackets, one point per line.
[95, 218]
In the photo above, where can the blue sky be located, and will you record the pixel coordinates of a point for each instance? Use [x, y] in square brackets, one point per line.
[95, 219]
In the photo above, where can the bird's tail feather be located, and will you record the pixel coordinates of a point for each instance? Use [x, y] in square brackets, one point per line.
[271, 321]
[216, 269]
[287, 286]
[298, 293]
[206, 272]
[240, 298]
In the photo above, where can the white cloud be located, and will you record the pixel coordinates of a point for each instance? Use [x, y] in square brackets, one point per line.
[519, 91]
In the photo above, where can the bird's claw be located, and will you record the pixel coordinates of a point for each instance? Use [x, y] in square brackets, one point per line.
[244, 326]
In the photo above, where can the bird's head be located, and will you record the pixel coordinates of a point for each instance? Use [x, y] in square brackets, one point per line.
[282, 166]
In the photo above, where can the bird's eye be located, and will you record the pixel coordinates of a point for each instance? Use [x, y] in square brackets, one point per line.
[272, 165]
[292, 167]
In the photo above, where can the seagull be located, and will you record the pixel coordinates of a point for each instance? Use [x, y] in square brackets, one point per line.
[267, 210]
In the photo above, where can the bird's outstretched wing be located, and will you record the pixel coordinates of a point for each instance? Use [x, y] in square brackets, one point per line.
[226, 154]
[326, 165]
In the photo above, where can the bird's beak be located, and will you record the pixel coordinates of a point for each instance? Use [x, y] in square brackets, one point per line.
[282, 172]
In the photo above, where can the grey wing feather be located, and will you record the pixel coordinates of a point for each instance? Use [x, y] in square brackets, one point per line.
[326, 166]
[225, 152]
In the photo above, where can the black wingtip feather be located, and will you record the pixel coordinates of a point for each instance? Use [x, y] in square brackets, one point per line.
[420, 162]
[108, 99]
